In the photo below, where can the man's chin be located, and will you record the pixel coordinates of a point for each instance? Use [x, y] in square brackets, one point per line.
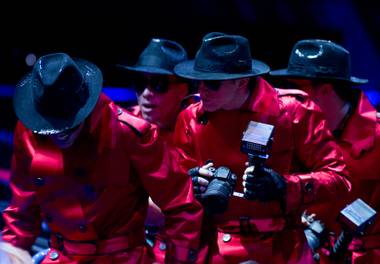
[148, 117]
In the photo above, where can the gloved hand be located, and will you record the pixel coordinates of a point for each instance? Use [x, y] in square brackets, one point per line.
[263, 184]
[316, 234]
[200, 176]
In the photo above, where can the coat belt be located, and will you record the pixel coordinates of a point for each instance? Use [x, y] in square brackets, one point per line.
[98, 247]
[248, 225]
[370, 241]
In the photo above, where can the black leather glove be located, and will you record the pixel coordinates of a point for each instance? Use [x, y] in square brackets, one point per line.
[194, 174]
[264, 184]
[316, 234]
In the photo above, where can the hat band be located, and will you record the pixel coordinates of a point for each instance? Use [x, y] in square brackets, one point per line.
[317, 70]
[214, 67]
[154, 61]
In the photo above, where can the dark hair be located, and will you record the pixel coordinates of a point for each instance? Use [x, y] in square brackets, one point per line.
[346, 91]
[192, 88]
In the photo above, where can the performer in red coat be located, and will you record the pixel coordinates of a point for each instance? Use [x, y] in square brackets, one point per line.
[161, 95]
[325, 74]
[304, 166]
[87, 167]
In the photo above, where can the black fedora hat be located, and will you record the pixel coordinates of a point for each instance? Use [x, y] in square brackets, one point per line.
[319, 59]
[159, 57]
[222, 57]
[58, 94]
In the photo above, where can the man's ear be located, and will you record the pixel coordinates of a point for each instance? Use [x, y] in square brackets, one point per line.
[243, 82]
[325, 88]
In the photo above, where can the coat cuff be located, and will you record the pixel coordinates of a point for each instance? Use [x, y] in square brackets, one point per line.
[179, 254]
[300, 192]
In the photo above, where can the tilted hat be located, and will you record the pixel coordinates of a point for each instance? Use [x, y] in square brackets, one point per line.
[222, 57]
[159, 57]
[319, 59]
[58, 94]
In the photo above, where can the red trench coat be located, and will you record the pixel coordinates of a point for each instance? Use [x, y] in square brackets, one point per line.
[158, 248]
[94, 195]
[360, 143]
[303, 151]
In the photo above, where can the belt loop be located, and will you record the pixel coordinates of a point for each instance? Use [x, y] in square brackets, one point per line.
[245, 225]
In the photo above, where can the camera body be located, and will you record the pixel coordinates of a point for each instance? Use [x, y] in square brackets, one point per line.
[220, 188]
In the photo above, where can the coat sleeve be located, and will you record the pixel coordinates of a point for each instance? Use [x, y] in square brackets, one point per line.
[171, 189]
[22, 216]
[326, 176]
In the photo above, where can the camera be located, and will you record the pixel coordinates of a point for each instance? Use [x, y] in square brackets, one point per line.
[355, 219]
[256, 142]
[220, 188]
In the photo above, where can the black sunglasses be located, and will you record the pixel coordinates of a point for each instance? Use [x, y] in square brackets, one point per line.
[213, 85]
[157, 83]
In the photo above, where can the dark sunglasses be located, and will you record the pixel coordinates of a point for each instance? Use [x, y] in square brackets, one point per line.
[159, 84]
[213, 85]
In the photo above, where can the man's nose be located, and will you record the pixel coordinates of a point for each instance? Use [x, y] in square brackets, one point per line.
[148, 91]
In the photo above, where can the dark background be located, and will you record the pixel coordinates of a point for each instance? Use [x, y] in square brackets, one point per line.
[111, 32]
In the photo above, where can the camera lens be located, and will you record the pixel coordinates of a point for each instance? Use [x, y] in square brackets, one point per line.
[216, 197]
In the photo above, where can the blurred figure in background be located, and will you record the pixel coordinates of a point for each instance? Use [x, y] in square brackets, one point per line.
[322, 68]
[88, 167]
[161, 95]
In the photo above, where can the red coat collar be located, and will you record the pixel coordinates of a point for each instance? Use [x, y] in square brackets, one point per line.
[264, 99]
[361, 127]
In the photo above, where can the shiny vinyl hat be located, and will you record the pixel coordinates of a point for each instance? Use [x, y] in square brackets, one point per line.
[159, 57]
[319, 59]
[58, 94]
[222, 57]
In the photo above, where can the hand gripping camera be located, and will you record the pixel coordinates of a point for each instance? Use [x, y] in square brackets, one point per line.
[256, 142]
[220, 188]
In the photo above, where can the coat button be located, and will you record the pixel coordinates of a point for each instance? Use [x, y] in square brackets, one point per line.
[226, 238]
[54, 255]
[192, 255]
[308, 187]
[162, 246]
[82, 228]
[203, 119]
[39, 181]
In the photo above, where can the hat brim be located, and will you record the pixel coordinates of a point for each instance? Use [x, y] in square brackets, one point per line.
[26, 111]
[146, 69]
[186, 70]
[288, 74]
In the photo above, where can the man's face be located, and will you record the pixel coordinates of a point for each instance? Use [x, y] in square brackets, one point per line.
[307, 86]
[217, 95]
[160, 97]
[67, 138]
